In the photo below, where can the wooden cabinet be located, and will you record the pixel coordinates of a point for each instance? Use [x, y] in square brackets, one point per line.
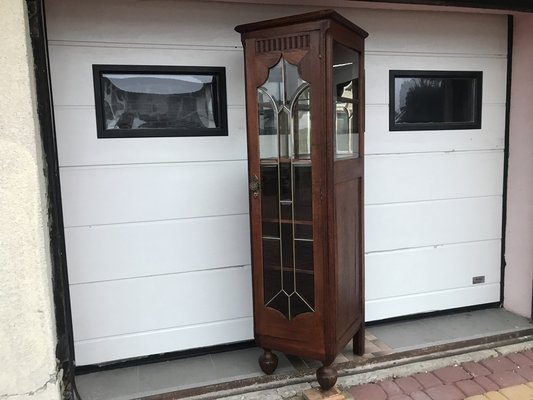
[305, 111]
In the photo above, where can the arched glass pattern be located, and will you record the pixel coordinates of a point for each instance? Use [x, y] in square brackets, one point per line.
[286, 188]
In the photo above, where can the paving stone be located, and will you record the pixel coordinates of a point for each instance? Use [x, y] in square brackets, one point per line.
[525, 372]
[495, 396]
[408, 384]
[506, 378]
[470, 387]
[498, 364]
[452, 374]
[427, 380]
[419, 396]
[476, 369]
[519, 392]
[390, 387]
[486, 383]
[477, 397]
[528, 354]
[520, 359]
[400, 397]
[316, 394]
[370, 391]
[445, 392]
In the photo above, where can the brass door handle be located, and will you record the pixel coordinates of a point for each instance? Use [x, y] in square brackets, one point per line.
[254, 186]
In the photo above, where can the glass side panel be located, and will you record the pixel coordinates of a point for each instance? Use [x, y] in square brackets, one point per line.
[345, 94]
[286, 185]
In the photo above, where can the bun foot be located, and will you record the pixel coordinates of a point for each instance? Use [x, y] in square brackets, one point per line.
[326, 377]
[268, 362]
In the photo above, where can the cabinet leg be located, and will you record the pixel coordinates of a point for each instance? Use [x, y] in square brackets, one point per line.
[359, 341]
[268, 361]
[326, 377]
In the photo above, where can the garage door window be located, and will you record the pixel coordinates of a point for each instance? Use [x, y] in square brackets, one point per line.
[143, 101]
[431, 100]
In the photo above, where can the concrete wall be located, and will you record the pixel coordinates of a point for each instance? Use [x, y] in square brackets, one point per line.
[27, 335]
[519, 242]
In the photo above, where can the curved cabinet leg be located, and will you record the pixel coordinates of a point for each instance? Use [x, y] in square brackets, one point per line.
[326, 377]
[268, 361]
[359, 341]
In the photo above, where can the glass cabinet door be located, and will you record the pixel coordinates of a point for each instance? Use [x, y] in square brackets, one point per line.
[286, 187]
[346, 100]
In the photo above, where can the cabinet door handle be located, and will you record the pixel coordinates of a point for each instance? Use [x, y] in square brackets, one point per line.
[254, 186]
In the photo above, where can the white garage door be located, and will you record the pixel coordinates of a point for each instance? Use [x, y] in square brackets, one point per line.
[433, 198]
[157, 229]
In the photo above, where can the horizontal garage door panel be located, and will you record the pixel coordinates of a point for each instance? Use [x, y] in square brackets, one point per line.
[134, 193]
[160, 302]
[122, 347]
[447, 32]
[118, 251]
[72, 74]
[377, 73]
[428, 223]
[413, 177]
[78, 143]
[189, 22]
[378, 139]
[431, 269]
[431, 32]
[429, 302]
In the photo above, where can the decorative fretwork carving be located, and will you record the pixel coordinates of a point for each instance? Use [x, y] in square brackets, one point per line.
[282, 43]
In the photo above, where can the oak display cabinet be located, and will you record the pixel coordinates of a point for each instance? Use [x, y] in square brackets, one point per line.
[305, 110]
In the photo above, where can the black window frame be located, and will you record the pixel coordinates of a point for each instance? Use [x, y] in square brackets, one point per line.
[219, 100]
[430, 126]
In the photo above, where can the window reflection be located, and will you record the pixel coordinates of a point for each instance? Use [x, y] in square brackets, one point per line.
[345, 93]
[429, 100]
[434, 100]
[142, 101]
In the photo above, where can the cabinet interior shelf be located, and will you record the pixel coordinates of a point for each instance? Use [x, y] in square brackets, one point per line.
[288, 221]
[304, 162]
[289, 269]
[295, 239]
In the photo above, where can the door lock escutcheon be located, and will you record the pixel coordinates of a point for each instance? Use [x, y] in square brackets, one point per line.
[254, 186]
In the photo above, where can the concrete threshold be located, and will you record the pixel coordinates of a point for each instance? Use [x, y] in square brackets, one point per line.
[353, 373]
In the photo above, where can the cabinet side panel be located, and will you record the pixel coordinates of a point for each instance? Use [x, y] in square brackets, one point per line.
[348, 296]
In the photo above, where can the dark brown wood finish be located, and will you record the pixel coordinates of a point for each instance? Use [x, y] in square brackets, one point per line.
[337, 191]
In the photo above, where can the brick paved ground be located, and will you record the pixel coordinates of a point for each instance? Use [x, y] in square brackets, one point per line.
[500, 378]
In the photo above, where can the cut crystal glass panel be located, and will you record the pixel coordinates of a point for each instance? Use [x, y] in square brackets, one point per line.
[286, 184]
